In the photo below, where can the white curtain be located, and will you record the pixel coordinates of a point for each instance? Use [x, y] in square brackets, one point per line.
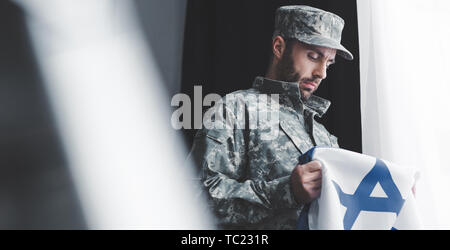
[405, 55]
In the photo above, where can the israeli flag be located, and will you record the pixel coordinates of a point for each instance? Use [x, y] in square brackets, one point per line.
[360, 192]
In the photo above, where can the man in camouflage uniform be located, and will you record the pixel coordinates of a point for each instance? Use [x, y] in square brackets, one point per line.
[252, 180]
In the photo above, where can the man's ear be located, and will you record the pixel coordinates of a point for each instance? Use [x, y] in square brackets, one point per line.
[278, 47]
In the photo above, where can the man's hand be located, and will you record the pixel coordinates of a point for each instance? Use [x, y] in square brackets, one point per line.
[306, 182]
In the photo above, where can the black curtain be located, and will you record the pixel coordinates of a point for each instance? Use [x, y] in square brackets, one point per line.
[36, 189]
[227, 44]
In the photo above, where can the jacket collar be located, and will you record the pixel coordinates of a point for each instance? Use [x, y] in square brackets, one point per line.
[316, 104]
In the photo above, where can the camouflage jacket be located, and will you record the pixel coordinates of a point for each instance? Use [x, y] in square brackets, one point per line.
[246, 176]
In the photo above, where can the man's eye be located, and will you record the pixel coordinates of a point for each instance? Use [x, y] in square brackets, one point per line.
[313, 57]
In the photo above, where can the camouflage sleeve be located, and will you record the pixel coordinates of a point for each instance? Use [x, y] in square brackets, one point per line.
[235, 199]
[334, 141]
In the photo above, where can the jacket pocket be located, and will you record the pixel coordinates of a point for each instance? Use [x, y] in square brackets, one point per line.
[298, 138]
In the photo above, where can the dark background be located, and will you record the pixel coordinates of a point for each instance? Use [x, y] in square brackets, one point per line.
[227, 44]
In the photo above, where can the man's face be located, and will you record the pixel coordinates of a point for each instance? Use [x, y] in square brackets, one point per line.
[305, 64]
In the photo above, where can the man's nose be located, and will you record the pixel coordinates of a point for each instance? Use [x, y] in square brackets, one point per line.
[320, 71]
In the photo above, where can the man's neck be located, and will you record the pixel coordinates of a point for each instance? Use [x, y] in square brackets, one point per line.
[271, 74]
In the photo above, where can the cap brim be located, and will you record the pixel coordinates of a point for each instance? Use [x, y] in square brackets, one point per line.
[328, 43]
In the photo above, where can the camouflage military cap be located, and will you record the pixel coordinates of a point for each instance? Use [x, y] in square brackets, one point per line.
[312, 26]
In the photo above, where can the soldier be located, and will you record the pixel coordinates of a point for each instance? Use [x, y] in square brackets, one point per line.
[257, 183]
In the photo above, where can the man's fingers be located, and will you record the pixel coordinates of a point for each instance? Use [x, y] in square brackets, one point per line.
[314, 193]
[313, 185]
[312, 177]
[312, 166]
[309, 177]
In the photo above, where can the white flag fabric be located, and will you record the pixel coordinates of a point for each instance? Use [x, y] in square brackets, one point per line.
[361, 192]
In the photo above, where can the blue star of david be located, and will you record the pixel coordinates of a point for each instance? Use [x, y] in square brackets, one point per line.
[361, 200]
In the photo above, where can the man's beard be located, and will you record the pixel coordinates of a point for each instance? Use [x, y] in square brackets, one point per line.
[285, 69]
[285, 72]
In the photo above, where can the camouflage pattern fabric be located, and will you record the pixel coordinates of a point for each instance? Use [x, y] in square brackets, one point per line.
[244, 175]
